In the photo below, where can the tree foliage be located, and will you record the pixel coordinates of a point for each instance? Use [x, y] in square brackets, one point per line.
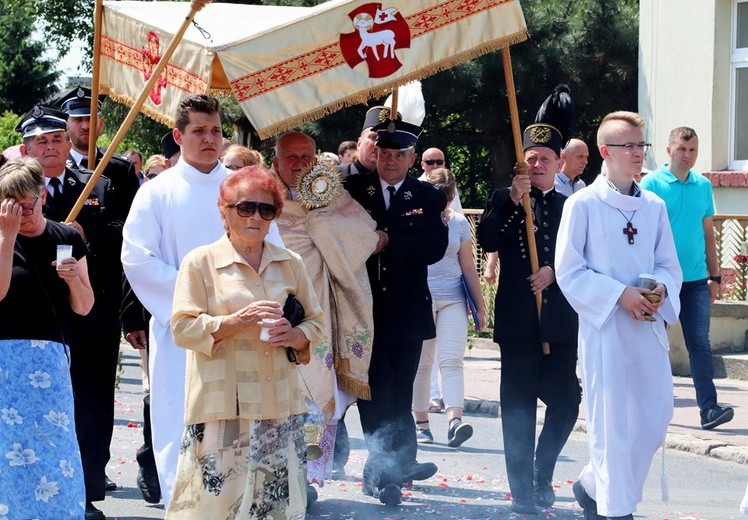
[26, 77]
[8, 135]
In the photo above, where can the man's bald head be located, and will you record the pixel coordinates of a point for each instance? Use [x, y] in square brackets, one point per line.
[431, 159]
[575, 157]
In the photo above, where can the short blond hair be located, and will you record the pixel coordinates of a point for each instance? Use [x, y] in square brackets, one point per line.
[155, 161]
[248, 156]
[632, 118]
[443, 178]
[21, 177]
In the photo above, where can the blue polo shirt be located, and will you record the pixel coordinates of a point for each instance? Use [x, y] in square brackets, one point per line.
[688, 204]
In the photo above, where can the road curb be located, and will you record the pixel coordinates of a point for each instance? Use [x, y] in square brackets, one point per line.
[675, 441]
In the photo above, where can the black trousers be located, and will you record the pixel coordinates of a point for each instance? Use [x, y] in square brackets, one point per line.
[386, 420]
[526, 376]
[94, 353]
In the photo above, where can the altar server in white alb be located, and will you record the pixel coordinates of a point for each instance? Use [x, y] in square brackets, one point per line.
[171, 215]
[610, 233]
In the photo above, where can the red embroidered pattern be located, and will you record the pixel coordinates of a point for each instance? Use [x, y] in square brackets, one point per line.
[132, 57]
[331, 56]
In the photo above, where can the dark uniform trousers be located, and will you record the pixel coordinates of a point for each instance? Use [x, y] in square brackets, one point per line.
[526, 373]
[402, 317]
[94, 345]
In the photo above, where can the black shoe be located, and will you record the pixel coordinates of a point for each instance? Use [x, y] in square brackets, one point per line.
[109, 484]
[149, 486]
[338, 472]
[588, 505]
[544, 496]
[524, 506]
[311, 495]
[458, 433]
[369, 490]
[420, 471]
[92, 513]
[715, 415]
[391, 495]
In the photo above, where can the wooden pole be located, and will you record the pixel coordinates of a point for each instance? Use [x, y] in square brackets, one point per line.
[195, 6]
[93, 133]
[517, 134]
[393, 110]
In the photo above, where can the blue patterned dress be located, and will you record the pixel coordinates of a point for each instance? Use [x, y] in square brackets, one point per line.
[41, 475]
[40, 466]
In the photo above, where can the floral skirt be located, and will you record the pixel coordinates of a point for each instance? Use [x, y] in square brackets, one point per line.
[241, 469]
[40, 462]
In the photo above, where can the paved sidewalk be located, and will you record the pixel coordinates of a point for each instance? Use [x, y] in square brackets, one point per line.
[727, 442]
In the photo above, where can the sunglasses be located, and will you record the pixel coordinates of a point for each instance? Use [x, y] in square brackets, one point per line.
[432, 162]
[150, 176]
[248, 208]
[233, 167]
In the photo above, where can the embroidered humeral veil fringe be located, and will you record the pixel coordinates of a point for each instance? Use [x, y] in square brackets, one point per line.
[334, 242]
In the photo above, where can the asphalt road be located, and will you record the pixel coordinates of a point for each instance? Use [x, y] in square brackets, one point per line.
[471, 482]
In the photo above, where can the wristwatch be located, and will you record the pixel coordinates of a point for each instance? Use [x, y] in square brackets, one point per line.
[717, 279]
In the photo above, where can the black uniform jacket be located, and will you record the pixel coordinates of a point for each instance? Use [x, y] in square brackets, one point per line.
[502, 229]
[398, 275]
[124, 181]
[347, 170]
[99, 219]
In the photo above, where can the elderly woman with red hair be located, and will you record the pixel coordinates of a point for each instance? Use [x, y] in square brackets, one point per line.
[243, 452]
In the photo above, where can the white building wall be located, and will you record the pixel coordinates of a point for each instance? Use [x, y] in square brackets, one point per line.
[684, 75]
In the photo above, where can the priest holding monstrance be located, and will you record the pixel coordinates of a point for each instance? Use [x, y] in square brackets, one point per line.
[527, 373]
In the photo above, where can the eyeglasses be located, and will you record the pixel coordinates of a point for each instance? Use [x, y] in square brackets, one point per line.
[432, 162]
[150, 176]
[633, 147]
[248, 208]
[25, 211]
[233, 167]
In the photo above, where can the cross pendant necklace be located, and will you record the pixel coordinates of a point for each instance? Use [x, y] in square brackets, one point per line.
[629, 230]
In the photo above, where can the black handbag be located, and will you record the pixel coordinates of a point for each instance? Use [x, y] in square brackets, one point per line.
[293, 311]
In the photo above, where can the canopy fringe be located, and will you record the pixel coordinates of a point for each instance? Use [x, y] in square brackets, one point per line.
[145, 110]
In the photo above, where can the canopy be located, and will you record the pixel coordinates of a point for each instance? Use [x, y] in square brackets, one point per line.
[290, 65]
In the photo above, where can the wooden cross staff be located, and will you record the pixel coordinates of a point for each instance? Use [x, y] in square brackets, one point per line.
[517, 133]
[195, 6]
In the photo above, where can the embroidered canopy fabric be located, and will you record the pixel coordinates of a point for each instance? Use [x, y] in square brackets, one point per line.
[290, 65]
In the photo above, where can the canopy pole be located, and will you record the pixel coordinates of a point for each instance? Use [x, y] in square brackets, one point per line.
[519, 152]
[195, 6]
[393, 111]
[94, 120]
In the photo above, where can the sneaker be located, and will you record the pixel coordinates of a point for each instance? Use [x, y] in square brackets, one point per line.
[424, 436]
[715, 415]
[458, 433]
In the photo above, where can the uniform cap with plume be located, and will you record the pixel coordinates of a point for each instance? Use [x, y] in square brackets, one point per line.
[554, 122]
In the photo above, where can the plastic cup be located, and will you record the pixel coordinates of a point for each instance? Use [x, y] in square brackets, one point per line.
[267, 324]
[647, 281]
[63, 251]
